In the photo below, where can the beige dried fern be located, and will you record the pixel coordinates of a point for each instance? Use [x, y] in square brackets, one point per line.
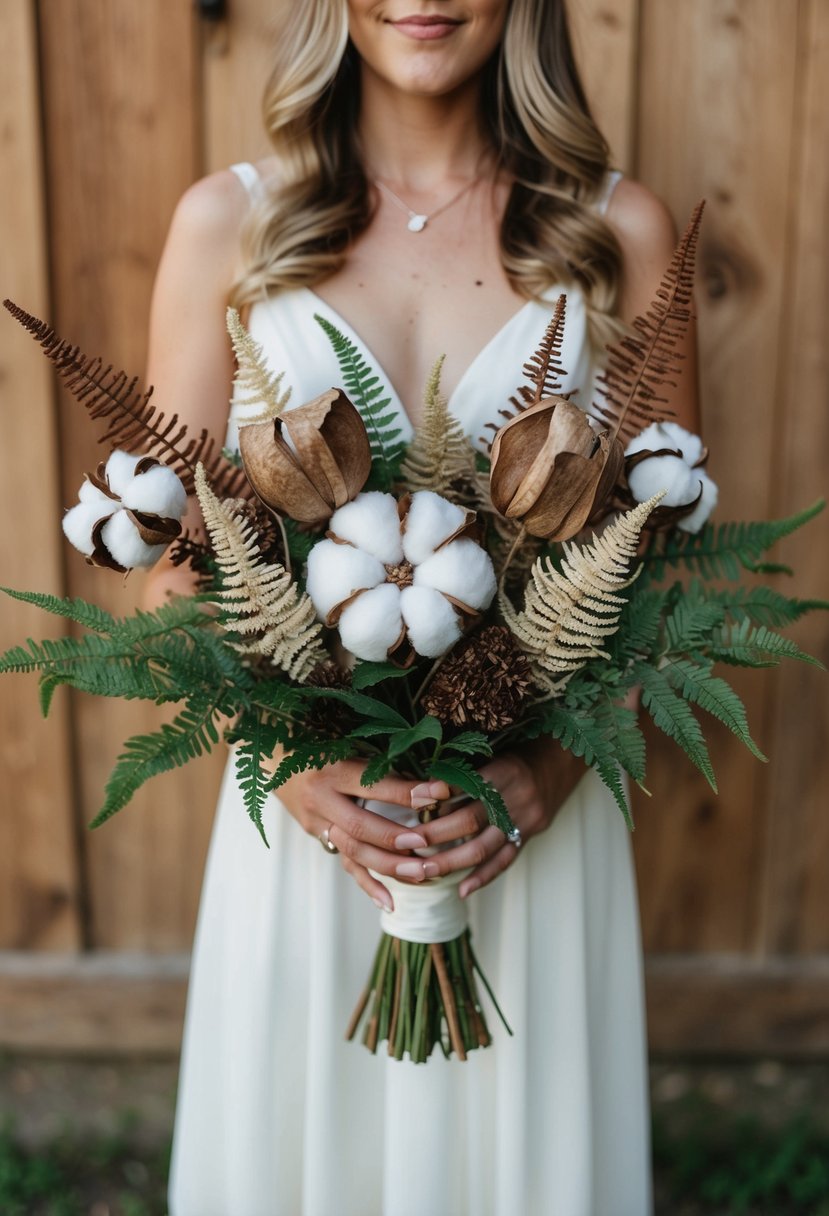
[254, 382]
[260, 598]
[440, 454]
[569, 613]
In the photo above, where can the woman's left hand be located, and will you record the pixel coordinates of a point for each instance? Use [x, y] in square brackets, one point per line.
[533, 785]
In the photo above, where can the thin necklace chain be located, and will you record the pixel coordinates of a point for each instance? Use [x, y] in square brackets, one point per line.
[417, 220]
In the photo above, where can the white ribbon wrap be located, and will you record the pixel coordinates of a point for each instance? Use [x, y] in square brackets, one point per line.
[431, 911]
[427, 912]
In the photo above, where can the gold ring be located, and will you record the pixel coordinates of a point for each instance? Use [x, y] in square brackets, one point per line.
[326, 841]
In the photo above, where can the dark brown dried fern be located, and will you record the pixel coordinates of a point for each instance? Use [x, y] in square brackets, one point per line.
[641, 363]
[131, 422]
[543, 370]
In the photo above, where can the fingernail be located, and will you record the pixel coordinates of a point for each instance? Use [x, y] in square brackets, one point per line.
[419, 803]
[466, 888]
[384, 905]
[429, 790]
[410, 840]
[411, 869]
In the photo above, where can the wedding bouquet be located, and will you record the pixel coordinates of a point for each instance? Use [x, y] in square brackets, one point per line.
[423, 606]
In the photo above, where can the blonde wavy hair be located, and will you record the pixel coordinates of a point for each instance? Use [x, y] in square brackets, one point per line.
[541, 130]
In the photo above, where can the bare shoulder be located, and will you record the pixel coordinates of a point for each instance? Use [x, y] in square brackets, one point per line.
[209, 217]
[642, 222]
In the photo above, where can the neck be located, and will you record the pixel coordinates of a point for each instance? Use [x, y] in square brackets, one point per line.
[420, 143]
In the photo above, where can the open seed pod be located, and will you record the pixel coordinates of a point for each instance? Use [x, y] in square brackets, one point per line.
[309, 461]
[552, 468]
[664, 456]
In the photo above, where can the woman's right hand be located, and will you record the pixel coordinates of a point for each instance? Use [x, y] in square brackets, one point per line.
[325, 798]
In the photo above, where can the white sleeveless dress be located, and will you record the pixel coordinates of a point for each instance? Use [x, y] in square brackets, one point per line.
[277, 1115]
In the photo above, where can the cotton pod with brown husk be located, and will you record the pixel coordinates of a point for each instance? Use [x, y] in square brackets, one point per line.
[552, 467]
[129, 510]
[311, 460]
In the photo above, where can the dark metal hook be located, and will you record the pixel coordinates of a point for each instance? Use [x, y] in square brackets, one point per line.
[212, 10]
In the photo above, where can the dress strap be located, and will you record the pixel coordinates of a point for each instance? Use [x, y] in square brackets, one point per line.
[248, 175]
[611, 181]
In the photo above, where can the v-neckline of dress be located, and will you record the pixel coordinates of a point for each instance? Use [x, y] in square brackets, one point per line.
[342, 323]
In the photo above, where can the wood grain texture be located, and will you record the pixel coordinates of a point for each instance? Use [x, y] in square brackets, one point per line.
[796, 893]
[716, 115]
[120, 88]
[39, 871]
[235, 64]
[605, 41]
[116, 1003]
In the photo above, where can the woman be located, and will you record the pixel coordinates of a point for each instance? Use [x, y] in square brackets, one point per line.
[437, 181]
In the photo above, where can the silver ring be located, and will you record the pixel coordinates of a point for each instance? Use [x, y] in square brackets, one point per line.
[326, 841]
[514, 837]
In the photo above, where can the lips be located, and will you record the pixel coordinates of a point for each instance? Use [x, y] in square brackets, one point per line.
[425, 26]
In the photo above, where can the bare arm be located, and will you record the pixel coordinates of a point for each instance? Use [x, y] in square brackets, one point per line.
[190, 357]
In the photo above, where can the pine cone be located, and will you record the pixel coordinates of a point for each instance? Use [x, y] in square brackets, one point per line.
[482, 684]
[330, 719]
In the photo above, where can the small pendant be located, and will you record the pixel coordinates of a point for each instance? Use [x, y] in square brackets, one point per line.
[417, 223]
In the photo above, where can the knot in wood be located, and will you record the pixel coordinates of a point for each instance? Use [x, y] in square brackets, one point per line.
[401, 575]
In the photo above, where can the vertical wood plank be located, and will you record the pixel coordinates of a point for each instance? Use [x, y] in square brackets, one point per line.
[716, 109]
[605, 40]
[121, 105]
[796, 918]
[235, 65]
[39, 874]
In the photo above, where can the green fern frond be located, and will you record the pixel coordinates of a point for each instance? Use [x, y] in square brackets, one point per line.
[722, 551]
[254, 383]
[640, 625]
[764, 606]
[580, 734]
[690, 622]
[258, 597]
[695, 683]
[745, 645]
[260, 741]
[440, 453]
[364, 389]
[90, 616]
[191, 733]
[674, 717]
[315, 754]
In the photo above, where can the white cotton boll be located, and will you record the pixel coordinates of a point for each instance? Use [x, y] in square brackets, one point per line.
[90, 493]
[156, 492]
[706, 504]
[120, 469]
[336, 571]
[79, 521]
[432, 623]
[668, 473]
[120, 536]
[372, 624]
[370, 521]
[690, 445]
[652, 439]
[430, 521]
[463, 570]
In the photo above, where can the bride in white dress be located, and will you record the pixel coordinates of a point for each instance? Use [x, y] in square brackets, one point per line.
[437, 182]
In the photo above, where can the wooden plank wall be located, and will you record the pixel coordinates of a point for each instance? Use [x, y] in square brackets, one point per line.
[721, 98]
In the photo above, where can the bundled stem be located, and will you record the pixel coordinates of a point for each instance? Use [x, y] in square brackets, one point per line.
[424, 995]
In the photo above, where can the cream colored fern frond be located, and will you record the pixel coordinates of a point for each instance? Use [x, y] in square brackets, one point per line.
[259, 598]
[440, 453]
[569, 613]
[254, 383]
